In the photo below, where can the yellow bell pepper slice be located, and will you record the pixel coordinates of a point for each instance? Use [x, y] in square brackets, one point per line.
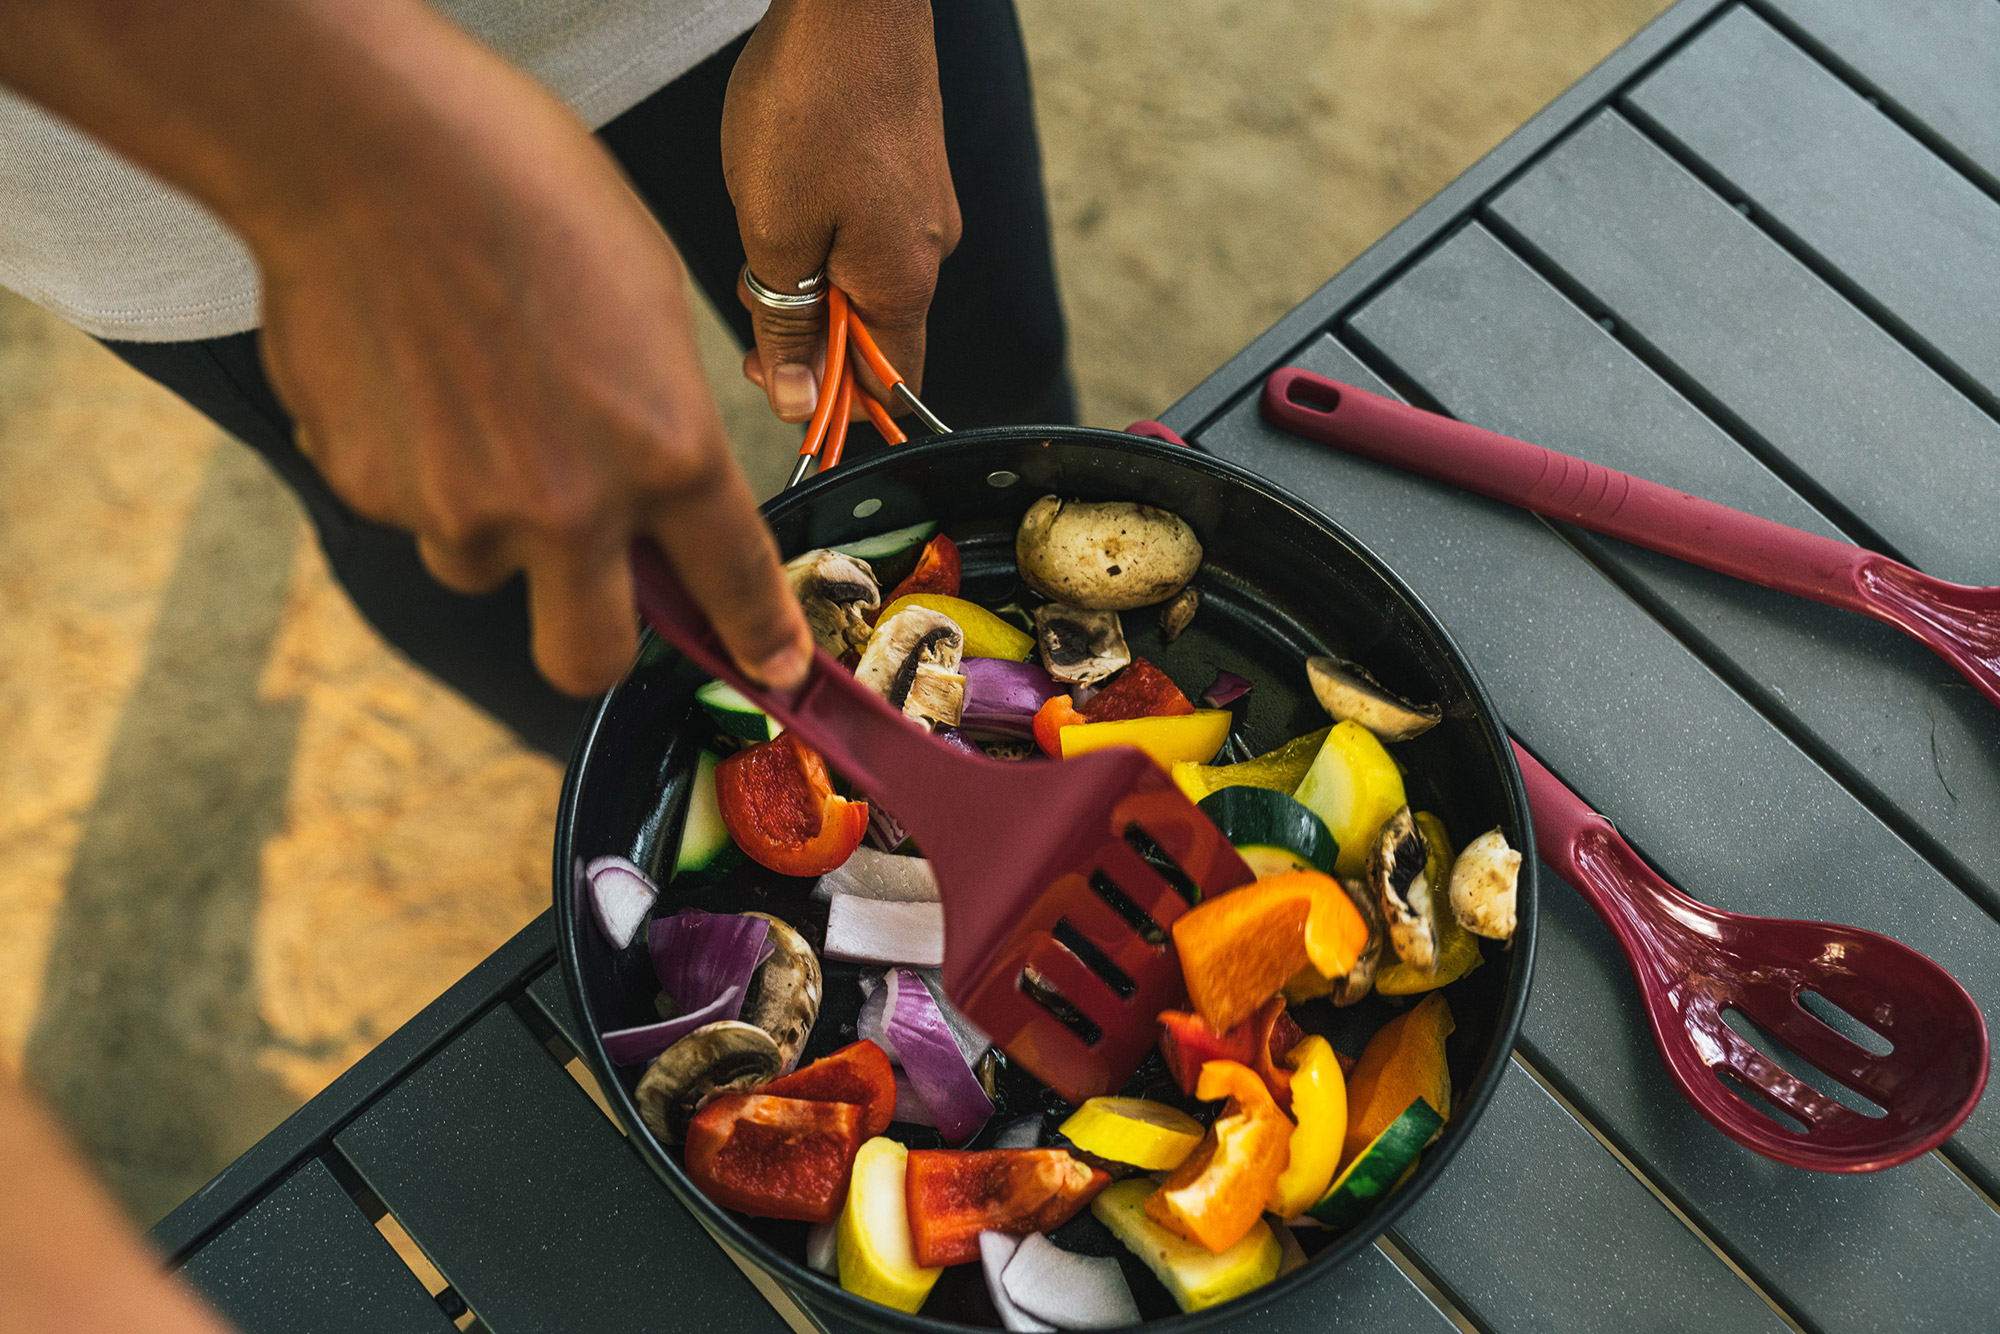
[1404, 1061]
[1196, 1276]
[1280, 769]
[1319, 1105]
[1355, 787]
[986, 635]
[1189, 736]
[1458, 949]
[1151, 1136]
[872, 1240]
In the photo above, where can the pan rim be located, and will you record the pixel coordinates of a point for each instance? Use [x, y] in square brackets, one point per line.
[807, 1285]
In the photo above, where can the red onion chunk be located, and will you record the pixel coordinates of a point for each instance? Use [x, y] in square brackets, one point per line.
[638, 1046]
[995, 1250]
[620, 898]
[1069, 1291]
[822, 1248]
[1002, 697]
[884, 830]
[868, 931]
[930, 1056]
[699, 956]
[910, 1106]
[1228, 688]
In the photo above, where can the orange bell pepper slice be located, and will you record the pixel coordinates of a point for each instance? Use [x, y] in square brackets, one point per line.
[1056, 713]
[1237, 949]
[1404, 1061]
[1218, 1194]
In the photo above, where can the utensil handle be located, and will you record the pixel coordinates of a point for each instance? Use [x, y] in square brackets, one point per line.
[854, 729]
[1588, 852]
[1574, 490]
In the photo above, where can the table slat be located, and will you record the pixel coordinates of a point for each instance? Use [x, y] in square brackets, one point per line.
[531, 1203]
[551, 997]
[1534, 1226]
[1823, 386]
[305, 1261]
[1848, 183]
[1638, 726]
[1936, 61]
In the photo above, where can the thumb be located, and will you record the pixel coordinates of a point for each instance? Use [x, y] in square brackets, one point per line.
[790, 343]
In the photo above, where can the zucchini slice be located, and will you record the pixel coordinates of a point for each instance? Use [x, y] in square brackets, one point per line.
[734, 714]
[706, 850]
[1379, 1168]
[888, 546]
[1272, 831]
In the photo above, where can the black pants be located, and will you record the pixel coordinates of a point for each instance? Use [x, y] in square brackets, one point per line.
[996, 344]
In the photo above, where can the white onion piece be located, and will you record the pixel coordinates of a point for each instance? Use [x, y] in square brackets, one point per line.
[1291, 1255]
[823, 1249]
[1025, 1133]
[995, 1250]
[873, 1021]
[869, 931]
[1069, 1291]
[923, 1044]
[868, 874]
[620, 898]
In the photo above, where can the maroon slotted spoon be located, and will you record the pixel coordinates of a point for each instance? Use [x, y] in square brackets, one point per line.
[1958, 622]
[1021, 850]
[1694, 962]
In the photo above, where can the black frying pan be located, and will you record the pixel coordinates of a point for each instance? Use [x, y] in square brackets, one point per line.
[1278, 581]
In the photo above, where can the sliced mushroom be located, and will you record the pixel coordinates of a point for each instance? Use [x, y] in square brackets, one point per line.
[1177, 615]
[1114, 555]
[715, 1058]
[1079, 646]
[1397, 872]
[1483, 880]
[912, 661]
[784, 992]
[1360, 979]
[1348, 692]
[836, 592]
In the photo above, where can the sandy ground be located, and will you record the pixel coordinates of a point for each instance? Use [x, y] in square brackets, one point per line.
[241, 840]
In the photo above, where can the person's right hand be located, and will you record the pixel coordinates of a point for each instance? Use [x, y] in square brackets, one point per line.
[482, 334]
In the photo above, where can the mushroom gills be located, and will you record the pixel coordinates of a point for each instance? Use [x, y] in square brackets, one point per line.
[835, 591]
[912, 661]
[1080, 646]
[716, 1058]
[1483, 884]
[1347, 691]
[784, 992]
[1397, 872]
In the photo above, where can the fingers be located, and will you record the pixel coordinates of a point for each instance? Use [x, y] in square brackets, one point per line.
[715, 538]
[580, 607]
[465, 567]
[787, 342]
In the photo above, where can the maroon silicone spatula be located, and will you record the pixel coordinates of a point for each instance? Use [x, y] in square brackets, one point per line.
[1693, 963]
[1958, 622]
[1056, 926]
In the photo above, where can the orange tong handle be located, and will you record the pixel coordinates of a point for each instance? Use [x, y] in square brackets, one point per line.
[878, 414]
[836, 366]
[864, 343]
[836, 435]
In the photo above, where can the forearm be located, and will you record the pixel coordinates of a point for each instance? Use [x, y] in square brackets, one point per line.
[269, 112]
[69, 1263]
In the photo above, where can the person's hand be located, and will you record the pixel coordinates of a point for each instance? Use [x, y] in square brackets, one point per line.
[833, 148]
[482, 334]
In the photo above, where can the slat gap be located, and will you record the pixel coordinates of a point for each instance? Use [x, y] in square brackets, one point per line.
[1426, 1283]
[1944, 1155]
[1658, 1192]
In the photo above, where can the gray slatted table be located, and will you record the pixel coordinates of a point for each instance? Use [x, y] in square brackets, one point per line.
[1755, 255]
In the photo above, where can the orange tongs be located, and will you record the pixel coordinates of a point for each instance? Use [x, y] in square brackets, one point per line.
[826, 435]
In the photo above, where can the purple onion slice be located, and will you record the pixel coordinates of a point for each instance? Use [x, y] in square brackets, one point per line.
[1228, 688]
[620, 898]
[930, 1056]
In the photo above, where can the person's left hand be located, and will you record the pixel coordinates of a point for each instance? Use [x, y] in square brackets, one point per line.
[833, 148]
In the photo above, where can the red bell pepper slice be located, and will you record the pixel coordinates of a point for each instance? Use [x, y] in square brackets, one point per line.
[937, 572]
[858, 1073]
[953, 1196]
[1140, 691]
[1260, 1042]
[779, 806]
[1056, 713]
[774, 1157]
